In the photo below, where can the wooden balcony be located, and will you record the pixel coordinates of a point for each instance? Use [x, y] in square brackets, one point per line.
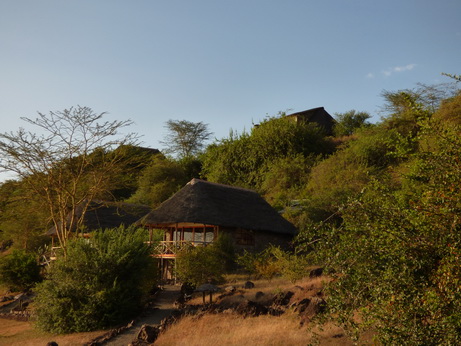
[169, 249]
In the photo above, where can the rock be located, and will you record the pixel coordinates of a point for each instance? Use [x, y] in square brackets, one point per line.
[250, 308]
[230, 289]
[316, 272]
[52, 343]
[18, 296]
[248, 285]
[179, 302]
[6, 298]
[315, 306]
[187, 288]
[259, 295]
[148, 333]
[282, 298]
[302, 305]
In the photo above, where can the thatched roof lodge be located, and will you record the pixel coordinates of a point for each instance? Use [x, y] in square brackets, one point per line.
[106, 214]
[318, 116]
[201, 210]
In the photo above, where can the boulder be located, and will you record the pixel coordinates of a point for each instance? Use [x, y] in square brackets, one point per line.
[250, 308]
[248, 285]
[259, 295]
[230, 289]
[302, 305]
[282, 298]
[187, 288]
[148, 333]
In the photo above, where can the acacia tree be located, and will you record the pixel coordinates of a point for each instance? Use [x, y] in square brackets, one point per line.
[185, 138]
[349, 122]
[68, 164]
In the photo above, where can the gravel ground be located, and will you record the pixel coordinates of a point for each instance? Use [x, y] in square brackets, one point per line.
[164, 304]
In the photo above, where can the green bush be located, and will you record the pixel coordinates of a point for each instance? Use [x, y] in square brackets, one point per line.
[19, 270]
[396, 259]
[198, 265]
[273, 261]
[101, 282]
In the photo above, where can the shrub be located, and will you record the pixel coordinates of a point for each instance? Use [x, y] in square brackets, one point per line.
[198, 265]
[396, 258]
[99, 284]
[19, 270]
[274, 261]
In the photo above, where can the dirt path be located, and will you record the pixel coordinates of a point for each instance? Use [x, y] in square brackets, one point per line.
[164, 304]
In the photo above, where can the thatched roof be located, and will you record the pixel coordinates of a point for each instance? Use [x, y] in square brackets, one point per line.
[221, 205]
[316, 115]
[103, 214]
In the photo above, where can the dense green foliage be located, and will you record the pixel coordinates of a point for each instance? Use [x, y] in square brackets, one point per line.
[100, 284]
[22, 220]
[244, 160]
[19, 270]
[202, 264]
[272, 262]
[158, 181]
[377, 205]
[396, 254]
[347, 123]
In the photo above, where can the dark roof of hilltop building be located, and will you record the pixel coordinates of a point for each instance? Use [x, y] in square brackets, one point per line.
[316, 115]
[209, 203]
[105, 214]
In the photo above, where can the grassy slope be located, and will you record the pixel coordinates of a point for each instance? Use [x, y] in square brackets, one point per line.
[24, 334]
[232, 329]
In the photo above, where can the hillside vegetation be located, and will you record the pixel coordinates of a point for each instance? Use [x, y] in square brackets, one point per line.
[377, 206]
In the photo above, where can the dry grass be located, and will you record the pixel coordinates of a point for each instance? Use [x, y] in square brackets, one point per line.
[306, 287]
[24, 334]
[231, 329]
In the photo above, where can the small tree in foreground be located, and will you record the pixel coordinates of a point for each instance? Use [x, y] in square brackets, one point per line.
[101, 282]
[198, 265]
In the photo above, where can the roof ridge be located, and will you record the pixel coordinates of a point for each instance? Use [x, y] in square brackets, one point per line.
[196, 180]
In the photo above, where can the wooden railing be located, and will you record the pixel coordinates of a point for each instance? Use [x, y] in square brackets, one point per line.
[171, 248]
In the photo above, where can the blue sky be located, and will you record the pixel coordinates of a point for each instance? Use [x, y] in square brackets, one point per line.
[226, 63]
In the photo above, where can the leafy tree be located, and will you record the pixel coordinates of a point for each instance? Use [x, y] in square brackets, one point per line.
[101, 283]
[19, 270]
[286, 178]
[69, 163]
[198, 265]
[158, 181]
[185, 138]
[22, 220]
[397, 254]
[347, 123]
[245, 159]
[457, 78]
[450, 111]
[133, 161]
[273, 261]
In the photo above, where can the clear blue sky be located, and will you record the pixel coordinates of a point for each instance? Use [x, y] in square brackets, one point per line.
[226, 63]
